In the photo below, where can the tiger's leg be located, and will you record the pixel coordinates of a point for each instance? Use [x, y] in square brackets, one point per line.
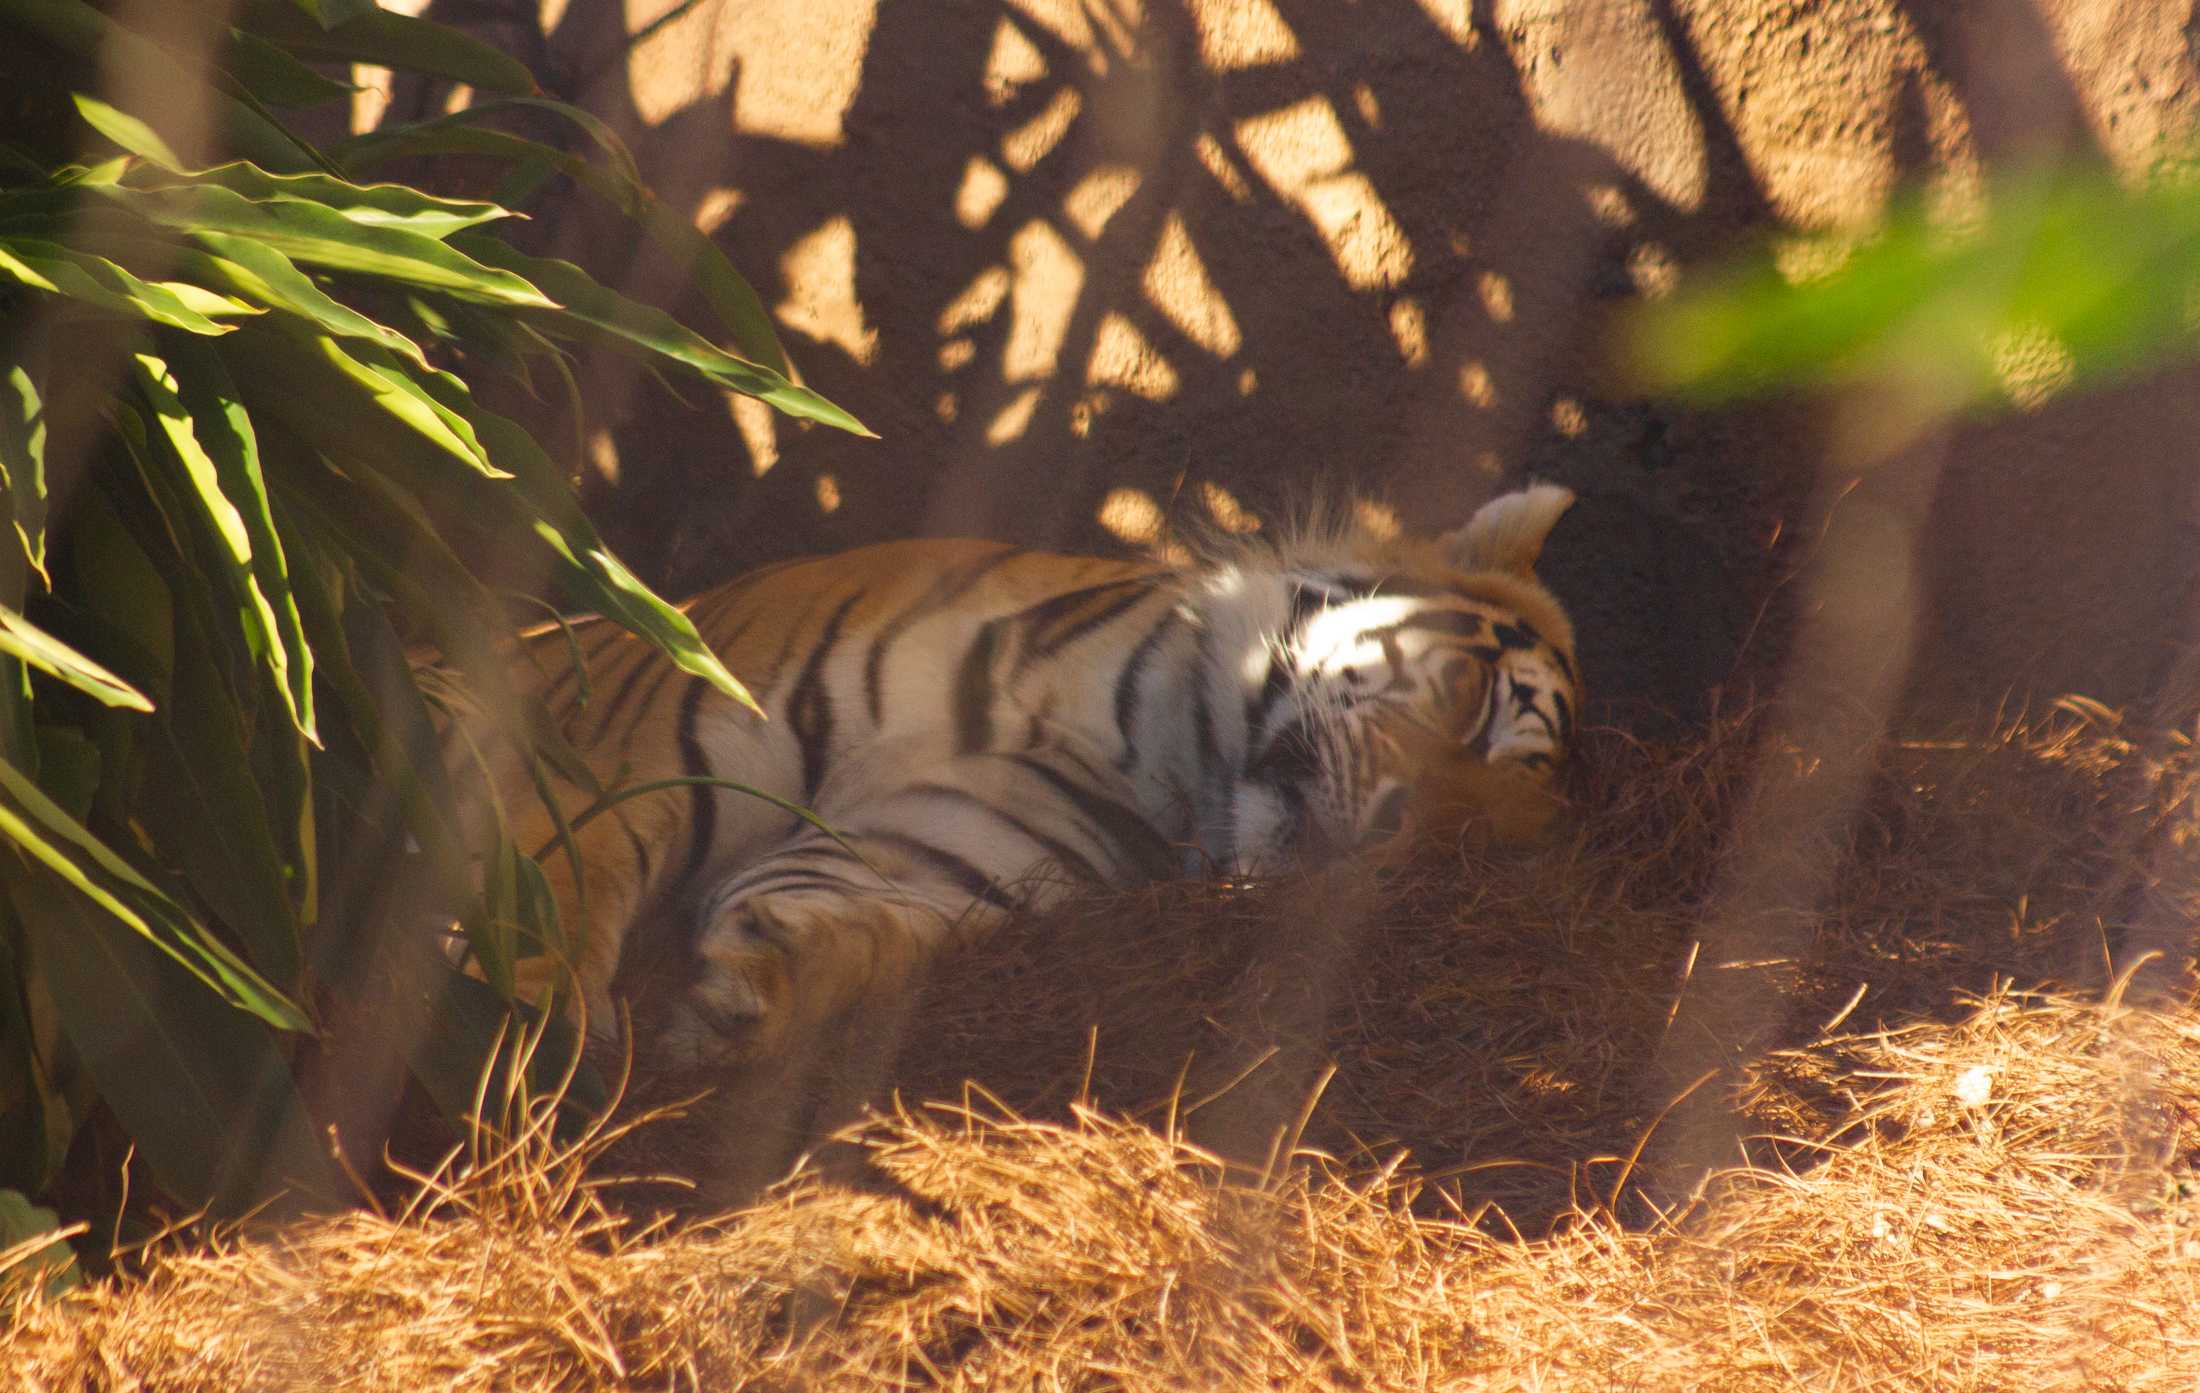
[807, 961]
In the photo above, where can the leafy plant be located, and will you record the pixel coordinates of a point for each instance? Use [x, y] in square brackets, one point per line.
[2061, 277]
[244, 458]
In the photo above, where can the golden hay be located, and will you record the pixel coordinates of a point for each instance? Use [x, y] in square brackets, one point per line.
[1963, 1187]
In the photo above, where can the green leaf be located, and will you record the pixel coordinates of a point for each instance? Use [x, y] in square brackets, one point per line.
[49, 266]
[258, 272]
[23, 462]
[53, 1265]
[587, 569]
[649, 328]
[212, 436]
[202, 1089]
[353, 404]
[21, 639]
[392, 41]
[729, 295]
[331, 13]
[101, 880]
[126, 131]
[317, 235]
[370, 205]
[203, 810]
[275, 77]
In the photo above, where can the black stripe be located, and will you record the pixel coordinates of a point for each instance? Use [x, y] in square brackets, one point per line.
[588, 655]
[643, 668]
[667, 671]
[703, 800]
[1273, 686]
[973, 699]
[1119, 825]
[1127, 695]
[810, 708]
[944, 591]
[965, 876]
[1054, 624]
[1565, 715]
[1064, 855]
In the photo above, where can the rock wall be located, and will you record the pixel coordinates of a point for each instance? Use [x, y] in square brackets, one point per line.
[1099, 271]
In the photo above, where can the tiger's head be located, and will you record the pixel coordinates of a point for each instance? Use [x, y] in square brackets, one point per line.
[1424, 687]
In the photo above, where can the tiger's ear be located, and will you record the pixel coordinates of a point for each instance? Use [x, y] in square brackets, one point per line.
[1507, 533]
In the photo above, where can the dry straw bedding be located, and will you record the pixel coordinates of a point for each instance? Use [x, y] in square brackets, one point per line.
[1995, 1190]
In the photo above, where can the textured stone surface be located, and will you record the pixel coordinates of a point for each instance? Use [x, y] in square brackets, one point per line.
[1208, 259]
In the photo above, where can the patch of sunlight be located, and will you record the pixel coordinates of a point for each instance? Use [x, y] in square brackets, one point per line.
[372, 99]
[1237, 34]
[980, 301]
[1496, 291]
[1216, 161]
[1121, 357]
[1451, 16]
[603, 455]
[1364, 102]
[1014, 418]
[1029, 143]
[1177, 283]
[828, 493]
[1568, 419]
[1609, 205]
[1130, 515]
[799, 65]
[1248, 382]
[758, 425]
[716, 207]
[956, 353]
[1099, 196]
[2032, 366]
[1013, 62]
[948, 407]
[1477, 386]
[821, 268]
[460, 97]
[1303, 151]
[1230, 515]
[1654, 272]
[1801, 260]
[1409, 330]
[1378, 520]
[1048, 277]
[983, 188]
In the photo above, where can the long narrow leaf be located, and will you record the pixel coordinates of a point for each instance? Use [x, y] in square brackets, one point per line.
[730, 296]
[23, 461]
[317, 235]
[203, 1090]
[203, 810]
[256, 272]
[51, 267]
[275, 77]
[355, 401]
[650, 328]
[50, 837]
[208, 429]
[19, 638]
[391, 40]
[587, 568]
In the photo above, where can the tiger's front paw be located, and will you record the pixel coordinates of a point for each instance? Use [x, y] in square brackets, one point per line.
[741, 999]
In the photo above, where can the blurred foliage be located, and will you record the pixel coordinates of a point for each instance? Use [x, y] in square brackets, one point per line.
[243, 462]
[2057, 278]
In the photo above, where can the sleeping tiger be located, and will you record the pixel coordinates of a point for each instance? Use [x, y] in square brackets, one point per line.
[979, 725]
